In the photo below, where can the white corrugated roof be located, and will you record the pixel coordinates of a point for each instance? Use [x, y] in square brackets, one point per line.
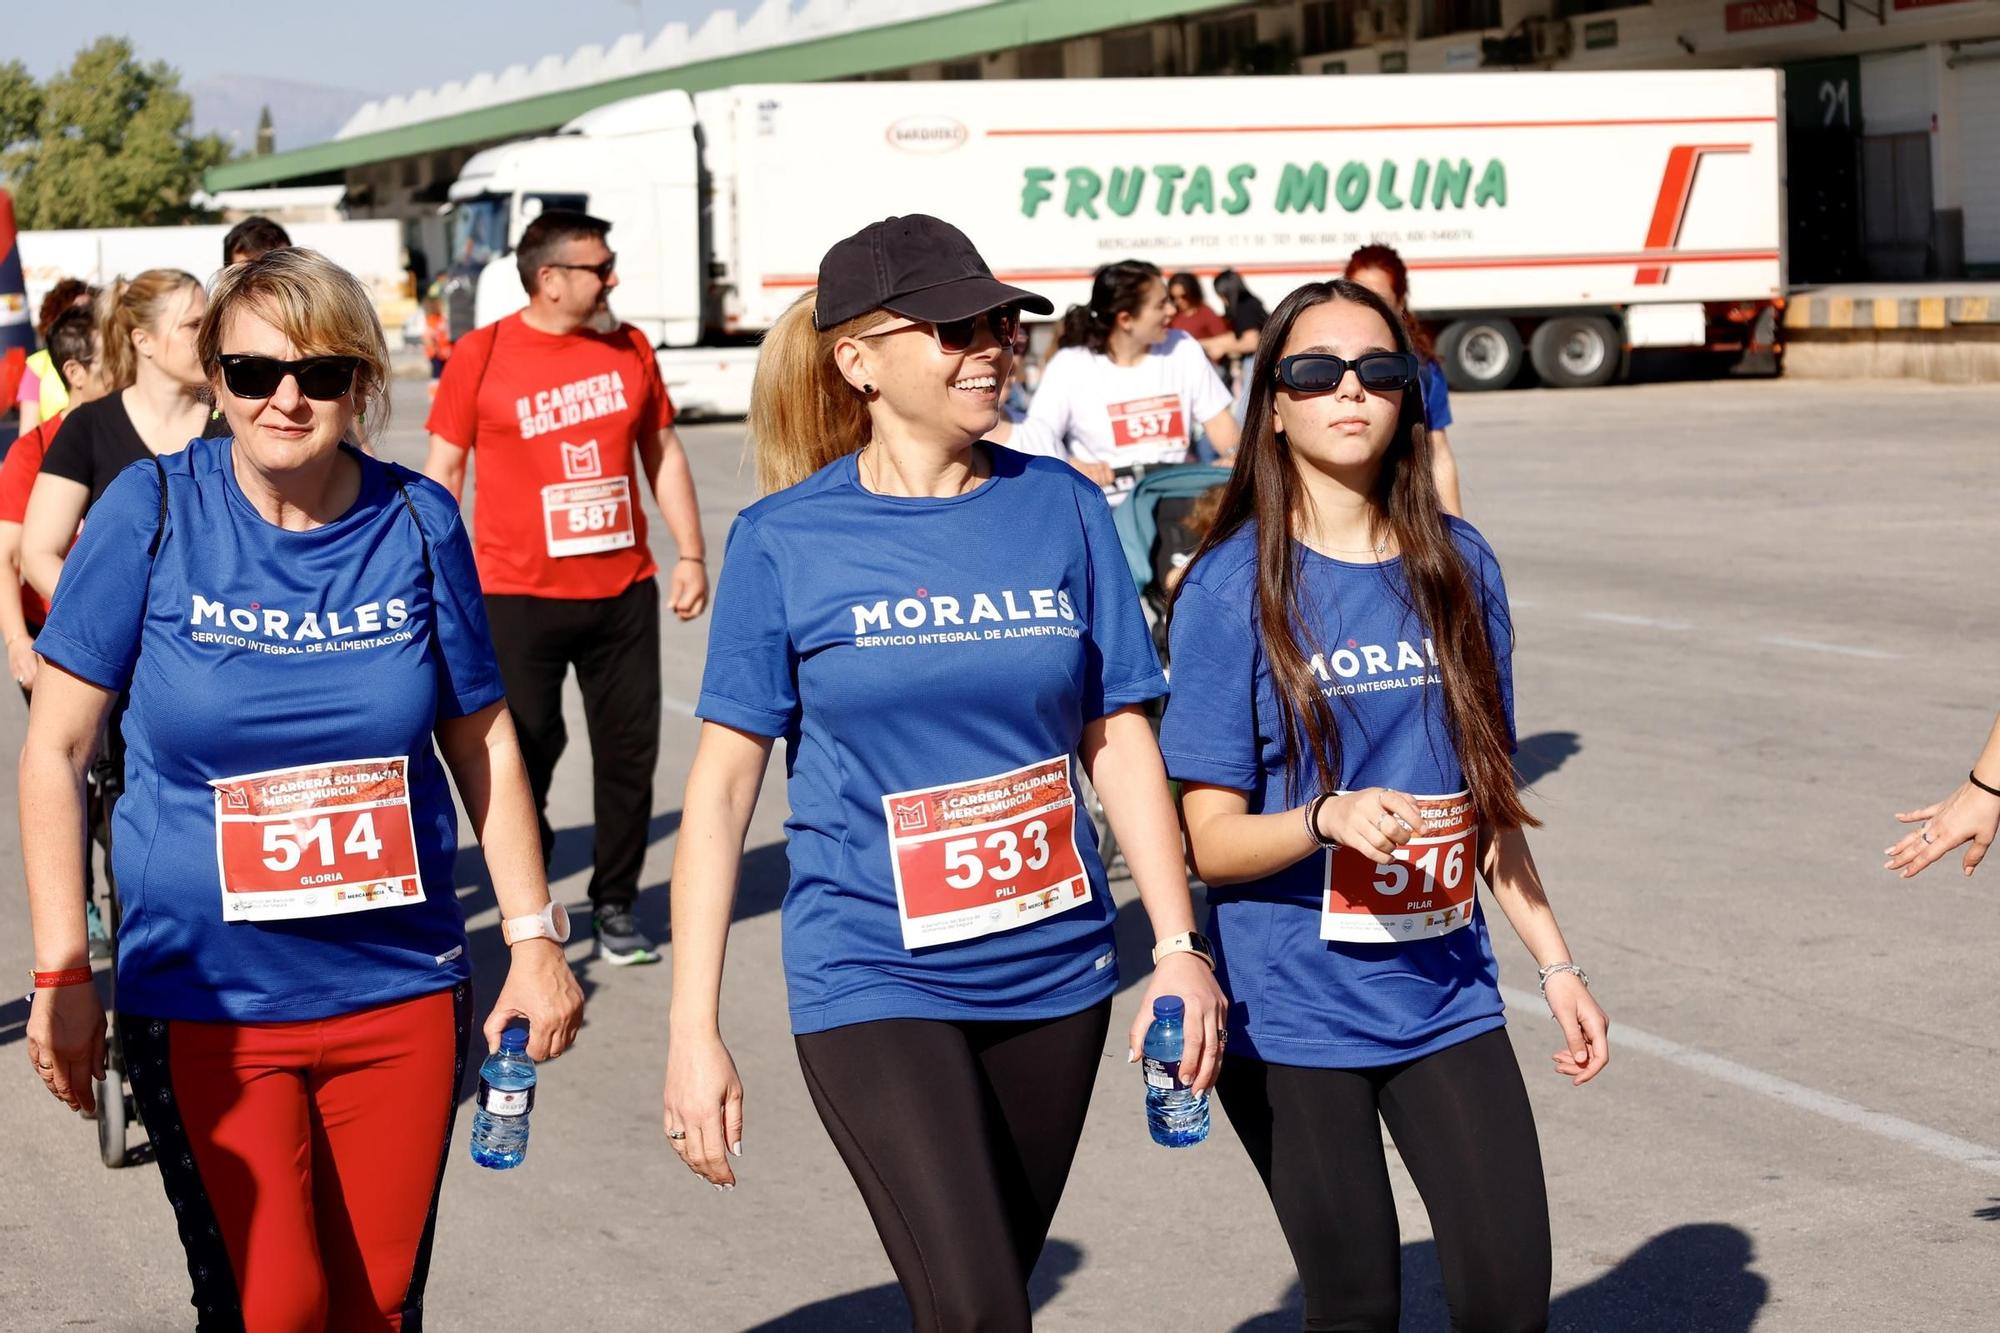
[724, 33]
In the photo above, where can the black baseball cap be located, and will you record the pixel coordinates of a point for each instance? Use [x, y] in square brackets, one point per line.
[918, 266]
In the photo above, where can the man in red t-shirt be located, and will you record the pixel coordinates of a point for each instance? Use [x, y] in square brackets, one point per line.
[569, 420]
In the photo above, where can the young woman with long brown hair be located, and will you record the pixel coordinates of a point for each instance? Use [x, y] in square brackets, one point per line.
[941, 630]
[1342, 721]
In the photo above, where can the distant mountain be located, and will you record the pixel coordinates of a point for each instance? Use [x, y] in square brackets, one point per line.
[301, 113]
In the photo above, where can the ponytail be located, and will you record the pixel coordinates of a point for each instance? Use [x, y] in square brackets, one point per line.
[1115, 289]
[126, 307]
[803, 413]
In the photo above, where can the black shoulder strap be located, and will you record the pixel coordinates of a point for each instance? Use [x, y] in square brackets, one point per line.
[422, 537]
[160, 532]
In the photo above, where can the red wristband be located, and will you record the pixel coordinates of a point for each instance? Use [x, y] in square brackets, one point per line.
[69, 976]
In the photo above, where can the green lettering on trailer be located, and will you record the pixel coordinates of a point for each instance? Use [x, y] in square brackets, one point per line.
[1035, 189]
[1385, 187]
[1084, 185]
[1126, 185]
[1240, 177]
[1300, 188]
[1453, 180]
[1350, 187]
[1169, 176]
[1200, 192]
[1492, 187]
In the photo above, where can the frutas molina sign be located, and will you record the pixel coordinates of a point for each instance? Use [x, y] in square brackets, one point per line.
[1300, 187]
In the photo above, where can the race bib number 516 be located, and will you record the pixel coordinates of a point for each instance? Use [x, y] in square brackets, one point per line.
[972, 858]
[318, 840]
[1427, 890]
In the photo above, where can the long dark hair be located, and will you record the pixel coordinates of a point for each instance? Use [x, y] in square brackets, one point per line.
[1115, 289]
[1385, 258]
[1265, 488]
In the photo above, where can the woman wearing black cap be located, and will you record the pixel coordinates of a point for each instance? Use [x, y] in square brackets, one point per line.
[935, 625]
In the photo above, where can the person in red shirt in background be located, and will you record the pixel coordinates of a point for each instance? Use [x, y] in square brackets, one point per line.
[73, 355]
[437, 339]
[1197, 318]
[568, 412]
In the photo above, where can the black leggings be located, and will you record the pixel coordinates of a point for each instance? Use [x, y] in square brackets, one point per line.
[960, 1136]
[1461, 1121]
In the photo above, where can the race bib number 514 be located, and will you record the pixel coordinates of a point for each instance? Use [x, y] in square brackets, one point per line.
[318, 840]
[992, 854]
[1427, 890]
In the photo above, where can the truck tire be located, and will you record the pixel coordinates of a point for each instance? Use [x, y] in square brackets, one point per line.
[1576, 352]
[1480, 354]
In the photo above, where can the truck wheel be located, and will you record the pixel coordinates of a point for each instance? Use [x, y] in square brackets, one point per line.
[1575, 352]
[1480, 354]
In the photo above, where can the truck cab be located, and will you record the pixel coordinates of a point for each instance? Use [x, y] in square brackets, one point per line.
[633, 163]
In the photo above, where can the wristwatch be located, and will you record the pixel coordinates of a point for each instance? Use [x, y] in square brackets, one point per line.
[1192, 941]
[551, 923]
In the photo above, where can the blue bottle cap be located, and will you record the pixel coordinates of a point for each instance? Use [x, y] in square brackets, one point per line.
[1168, 1006]
[515, 1039]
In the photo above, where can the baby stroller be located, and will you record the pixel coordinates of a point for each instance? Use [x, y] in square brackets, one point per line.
[1155, 531]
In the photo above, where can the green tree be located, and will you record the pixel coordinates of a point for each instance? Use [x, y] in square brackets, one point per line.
[108, 144]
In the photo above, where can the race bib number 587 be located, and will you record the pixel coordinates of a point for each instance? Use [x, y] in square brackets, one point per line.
[992, 854]
[1427, 890]
[318, 840]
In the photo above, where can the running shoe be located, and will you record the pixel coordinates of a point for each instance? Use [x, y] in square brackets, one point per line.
[619, 939]
[100, 941]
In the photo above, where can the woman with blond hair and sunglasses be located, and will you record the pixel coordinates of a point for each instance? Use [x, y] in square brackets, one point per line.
[1342, 724]
[300, 629]
[938, 627]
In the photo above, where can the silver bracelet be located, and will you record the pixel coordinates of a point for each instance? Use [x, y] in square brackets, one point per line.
[1312, 821]
[1556, 969]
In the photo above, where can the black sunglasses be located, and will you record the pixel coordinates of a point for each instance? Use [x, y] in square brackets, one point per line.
[1321, 372]
[958, 335]
[603, 271]
[320, 377]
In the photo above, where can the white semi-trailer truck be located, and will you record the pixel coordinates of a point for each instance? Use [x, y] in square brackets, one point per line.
[1552, 220]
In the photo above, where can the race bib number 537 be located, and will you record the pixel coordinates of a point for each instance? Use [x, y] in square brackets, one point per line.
[318, 840]
[1150, 424]
[972, 858]
[1427, 890]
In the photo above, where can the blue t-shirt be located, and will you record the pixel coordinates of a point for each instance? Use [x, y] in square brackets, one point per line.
[1298, 999]
[1437, 394]
[931, 664]
[311, 667]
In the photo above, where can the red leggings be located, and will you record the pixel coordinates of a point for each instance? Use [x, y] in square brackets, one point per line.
[303, 1160]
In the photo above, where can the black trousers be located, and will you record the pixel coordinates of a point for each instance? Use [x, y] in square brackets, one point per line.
[1462, 1123]
[960, 1137]
[614, 644]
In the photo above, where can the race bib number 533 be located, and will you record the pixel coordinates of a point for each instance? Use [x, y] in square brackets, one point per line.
[318, 840]
[1427, 890]
[972, 858]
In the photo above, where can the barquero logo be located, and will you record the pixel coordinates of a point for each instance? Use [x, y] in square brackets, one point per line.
[929, 135]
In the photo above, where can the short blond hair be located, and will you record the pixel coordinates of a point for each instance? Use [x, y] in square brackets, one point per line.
[321, 307]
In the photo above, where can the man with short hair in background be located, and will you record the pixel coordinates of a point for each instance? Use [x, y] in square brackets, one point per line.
[569, 416]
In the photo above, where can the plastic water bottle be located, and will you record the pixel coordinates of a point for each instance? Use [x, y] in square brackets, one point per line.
[1177, 1116]
[506, 1095]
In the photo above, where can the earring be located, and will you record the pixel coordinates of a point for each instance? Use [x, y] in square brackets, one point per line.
[867, 391]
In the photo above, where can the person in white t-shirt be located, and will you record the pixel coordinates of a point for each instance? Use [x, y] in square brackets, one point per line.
[1123, 392]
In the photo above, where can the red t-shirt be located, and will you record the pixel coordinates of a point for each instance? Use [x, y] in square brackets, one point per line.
[17, 481]
[556, 428]
[1200, 322]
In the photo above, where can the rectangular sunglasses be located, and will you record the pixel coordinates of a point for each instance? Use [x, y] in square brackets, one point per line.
[319, 377]
[958, 335]
[1322, 372]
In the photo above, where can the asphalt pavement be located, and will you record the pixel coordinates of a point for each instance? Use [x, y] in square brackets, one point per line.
[1755, 618]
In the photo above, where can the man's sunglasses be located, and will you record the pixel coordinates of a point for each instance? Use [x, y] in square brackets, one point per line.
[603, 271]
[958, 335]
[1319, 372]
[320, 377]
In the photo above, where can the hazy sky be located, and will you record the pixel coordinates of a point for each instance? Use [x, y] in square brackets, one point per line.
[376, 46]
